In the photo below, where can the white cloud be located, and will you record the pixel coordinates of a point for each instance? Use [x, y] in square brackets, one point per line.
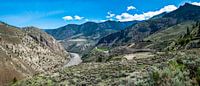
[196, 3]
[94, 20]
[102, 20]
[110, 15]
[68, 18]
[131, 8]
[128, 17]
[86, 20]
[78, 17]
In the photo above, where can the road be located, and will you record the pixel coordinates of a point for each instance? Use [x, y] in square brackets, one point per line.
[75, 60]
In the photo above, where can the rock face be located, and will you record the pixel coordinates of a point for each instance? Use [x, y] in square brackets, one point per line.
[81, 38]
[28, 51]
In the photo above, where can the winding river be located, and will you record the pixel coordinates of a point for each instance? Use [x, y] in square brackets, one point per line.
[75, 60]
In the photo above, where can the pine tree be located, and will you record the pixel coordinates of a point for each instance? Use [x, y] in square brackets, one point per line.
[188, 31]
[198, 31]
[197, 23]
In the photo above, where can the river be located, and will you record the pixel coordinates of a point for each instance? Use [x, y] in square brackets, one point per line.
[75, 60]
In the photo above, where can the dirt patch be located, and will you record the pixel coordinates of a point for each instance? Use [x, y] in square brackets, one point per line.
[138, 55]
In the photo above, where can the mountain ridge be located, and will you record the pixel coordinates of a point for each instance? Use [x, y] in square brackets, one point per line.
[86, 34]
[139, 31]
[76, 26]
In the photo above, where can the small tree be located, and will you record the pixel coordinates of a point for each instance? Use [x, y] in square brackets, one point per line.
[188, 31]
[198, 31]
[197, 23]
[14, 80]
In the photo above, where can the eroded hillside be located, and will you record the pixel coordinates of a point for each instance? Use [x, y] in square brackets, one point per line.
[26, 52]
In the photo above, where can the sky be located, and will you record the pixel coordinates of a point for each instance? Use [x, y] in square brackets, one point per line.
[51, 14]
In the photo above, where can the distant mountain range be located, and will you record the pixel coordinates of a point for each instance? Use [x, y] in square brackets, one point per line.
[87, 29]
[81, 38]
[158, 23]
[159, 33]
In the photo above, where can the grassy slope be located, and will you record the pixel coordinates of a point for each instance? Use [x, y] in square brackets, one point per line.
[175, 68]
[161, 40]
[171, 33]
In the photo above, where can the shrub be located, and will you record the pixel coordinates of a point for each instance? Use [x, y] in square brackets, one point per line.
[156, 76]
[14, 80]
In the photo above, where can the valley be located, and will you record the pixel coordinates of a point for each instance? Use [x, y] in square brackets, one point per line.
[75, 38]
[160, 51]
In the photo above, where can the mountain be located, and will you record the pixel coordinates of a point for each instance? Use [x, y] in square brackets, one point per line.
[81, 38]
[73, 29]
[185, 12]
[137, 32]
[25, 52]
[63, 32]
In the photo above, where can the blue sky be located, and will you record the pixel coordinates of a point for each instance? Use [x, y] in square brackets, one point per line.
[48, 14]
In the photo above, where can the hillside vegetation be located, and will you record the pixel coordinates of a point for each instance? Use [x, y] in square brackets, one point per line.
[26, 52]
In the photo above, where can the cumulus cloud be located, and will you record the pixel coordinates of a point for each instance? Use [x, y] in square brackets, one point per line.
[95, 20]
[110, 15]
[128, 17]
[86, 20]
[78, 17]
[131, 8]
[68, 18]
[102, 20]
[196, 3]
